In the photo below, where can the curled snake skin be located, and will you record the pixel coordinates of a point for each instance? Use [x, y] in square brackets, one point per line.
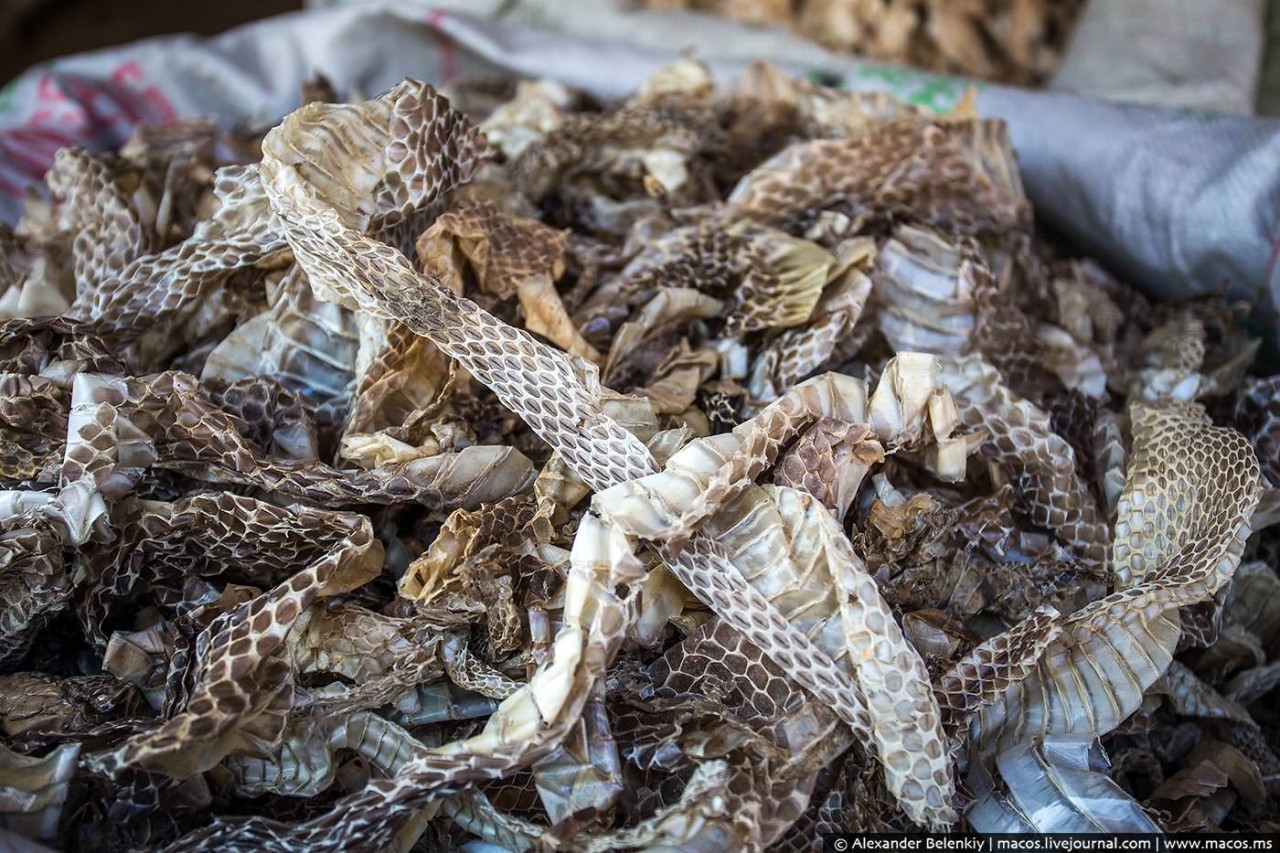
[520, 365]
[713, 469]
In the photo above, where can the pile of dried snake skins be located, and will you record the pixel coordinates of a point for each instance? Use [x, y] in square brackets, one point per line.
[707, 471]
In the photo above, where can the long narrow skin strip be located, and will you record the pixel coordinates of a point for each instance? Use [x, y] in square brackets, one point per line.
[1042, 462]
[1184, 517]
[695, 501]
[511, 363]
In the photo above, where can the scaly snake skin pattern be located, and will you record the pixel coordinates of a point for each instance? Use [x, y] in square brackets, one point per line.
[598, 450]
[366, 547]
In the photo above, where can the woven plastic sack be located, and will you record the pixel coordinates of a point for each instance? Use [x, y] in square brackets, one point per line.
[1188, 54]
[1178, 202]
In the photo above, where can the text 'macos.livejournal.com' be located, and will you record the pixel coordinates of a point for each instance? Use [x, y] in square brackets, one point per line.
[1094, 843]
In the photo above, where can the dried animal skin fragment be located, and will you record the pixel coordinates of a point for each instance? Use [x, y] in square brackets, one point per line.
[361, 158]
[308, 344]
[464, 534]
[704, 804]
[205, 442]
[673, 387]
[1076, 366]
[106, 452]
[1196, 352]
[169, 283]
[501, 251]
[473, 811]
[510, 738]
[773, 279]
[545, 315]
[471, 673]
[304, 763]
[1191, 697]
[95, 205]
[1169, 361]
[716, 660]
[537, 109]
[1168, 556]
[1257, 415]
[398, 375]
[630, 143]
[706, 476]
[829, 461]
[382, 266]
[630, 357]
[1054, 784]
[362, 645]
[926, 284]
[1157, 515]
[831, 336]
[584, 773]
[34, 583]
[897, 170]
[1040, 460]
[243, 686]
[990, 668]
[177, 552]
[1084, 307]
[1254, 604]
[34, 790]
[1212, 767]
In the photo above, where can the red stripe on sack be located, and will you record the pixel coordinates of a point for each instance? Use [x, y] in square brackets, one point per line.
[9, 188]
[448, 51]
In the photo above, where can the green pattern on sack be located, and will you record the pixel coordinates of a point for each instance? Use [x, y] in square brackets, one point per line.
[7, 94]
[921, 88]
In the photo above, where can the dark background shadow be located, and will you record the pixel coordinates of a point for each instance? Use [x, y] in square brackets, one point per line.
[33, 31]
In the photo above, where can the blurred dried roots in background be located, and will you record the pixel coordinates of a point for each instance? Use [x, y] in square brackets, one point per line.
[1014, 41]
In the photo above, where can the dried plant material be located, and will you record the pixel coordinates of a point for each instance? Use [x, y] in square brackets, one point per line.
[1020, 42]
[722, 468]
